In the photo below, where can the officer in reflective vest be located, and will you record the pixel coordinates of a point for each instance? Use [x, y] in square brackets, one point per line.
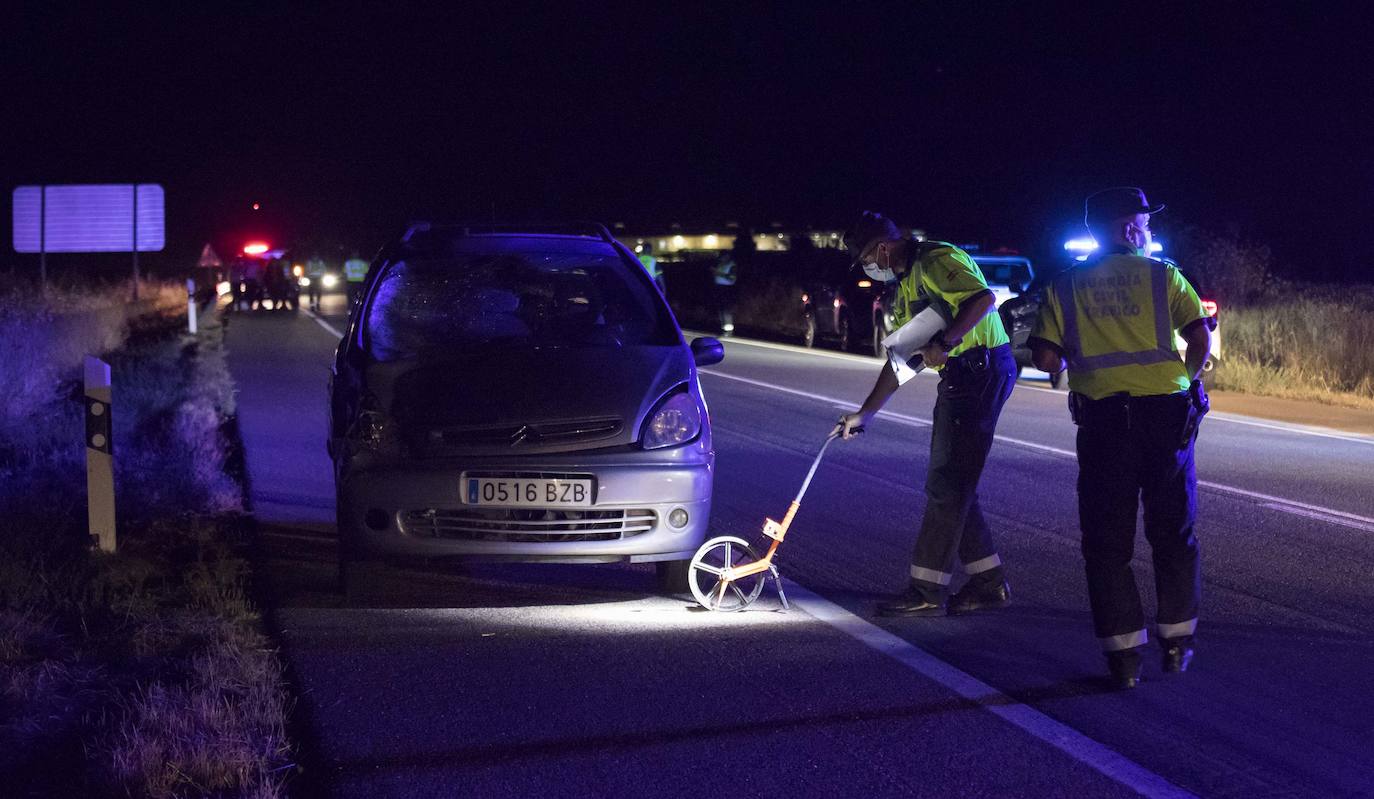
[355, 271]
[646, 257]
[977, 372]
[1137, 404]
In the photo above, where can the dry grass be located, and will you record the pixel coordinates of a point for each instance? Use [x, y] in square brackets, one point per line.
[1318, 345]
[143, 673]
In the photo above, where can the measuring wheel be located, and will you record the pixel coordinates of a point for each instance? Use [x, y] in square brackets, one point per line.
[706, 576]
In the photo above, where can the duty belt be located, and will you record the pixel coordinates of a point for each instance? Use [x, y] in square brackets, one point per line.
[1122, 411]
[975, 360]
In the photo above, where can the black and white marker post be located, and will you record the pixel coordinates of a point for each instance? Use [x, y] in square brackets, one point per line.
[100, 499]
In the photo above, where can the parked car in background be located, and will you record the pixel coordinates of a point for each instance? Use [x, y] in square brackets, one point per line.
[520, 394]
[839, 305]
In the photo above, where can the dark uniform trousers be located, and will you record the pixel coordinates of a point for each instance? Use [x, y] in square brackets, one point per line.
[1128, 456]
[973, 388]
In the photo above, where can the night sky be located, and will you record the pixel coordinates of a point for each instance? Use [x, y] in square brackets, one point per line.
[986, 122]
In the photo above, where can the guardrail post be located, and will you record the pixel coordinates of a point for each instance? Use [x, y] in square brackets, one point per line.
[191, 305]
[100, 499]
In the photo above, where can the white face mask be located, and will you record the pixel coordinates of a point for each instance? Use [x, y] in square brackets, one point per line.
[879, 274]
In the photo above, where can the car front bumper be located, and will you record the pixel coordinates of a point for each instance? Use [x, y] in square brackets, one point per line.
[418, 511]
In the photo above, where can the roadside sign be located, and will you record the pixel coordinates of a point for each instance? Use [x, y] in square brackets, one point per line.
[89, 218]
[209, 258]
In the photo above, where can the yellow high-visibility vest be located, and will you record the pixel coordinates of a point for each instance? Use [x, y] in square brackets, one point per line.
[1114, 317]
[355, 269]
[947, 274]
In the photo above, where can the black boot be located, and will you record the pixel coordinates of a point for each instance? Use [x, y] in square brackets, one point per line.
[977, 595]
[1178, 654]
[913, 603]
[1124, 668]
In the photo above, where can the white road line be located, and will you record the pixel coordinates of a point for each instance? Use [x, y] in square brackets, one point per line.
[1231, 418]
[1290, 428]
[1316, 512]
[1324, 517]
[323, 323]
[1061, 736]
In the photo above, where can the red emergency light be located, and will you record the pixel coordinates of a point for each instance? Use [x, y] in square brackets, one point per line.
[255, 248]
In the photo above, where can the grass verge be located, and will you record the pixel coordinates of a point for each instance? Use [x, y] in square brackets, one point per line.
[143, 673]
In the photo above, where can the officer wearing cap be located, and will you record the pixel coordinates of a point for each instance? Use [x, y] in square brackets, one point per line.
[1137, 404]
[977, 372]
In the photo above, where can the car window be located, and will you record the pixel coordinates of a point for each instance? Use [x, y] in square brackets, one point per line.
[1005, 273]
[478, 301]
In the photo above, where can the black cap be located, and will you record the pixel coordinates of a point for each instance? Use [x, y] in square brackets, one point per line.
[1114, 203]
[870, 227]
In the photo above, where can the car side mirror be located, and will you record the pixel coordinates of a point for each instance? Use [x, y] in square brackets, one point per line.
[707, 351]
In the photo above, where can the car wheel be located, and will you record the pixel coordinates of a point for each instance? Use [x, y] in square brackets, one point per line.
[846, 340]
[673, 575]
[879, 351]
[809, 336]
[1058, 379]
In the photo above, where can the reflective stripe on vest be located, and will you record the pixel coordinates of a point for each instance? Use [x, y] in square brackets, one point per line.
[1164, 338]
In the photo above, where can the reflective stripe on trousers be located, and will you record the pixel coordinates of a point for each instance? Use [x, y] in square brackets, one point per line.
[1164, 339]
[1131, 640]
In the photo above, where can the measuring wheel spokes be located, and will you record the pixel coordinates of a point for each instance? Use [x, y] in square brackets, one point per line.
[712, 582]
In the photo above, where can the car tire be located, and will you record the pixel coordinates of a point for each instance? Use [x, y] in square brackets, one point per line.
[809, 336]
[879, 351]
[842, 332]
[1059, 379]
[673, 576]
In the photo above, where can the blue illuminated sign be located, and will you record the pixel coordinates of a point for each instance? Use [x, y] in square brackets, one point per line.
[89, 218]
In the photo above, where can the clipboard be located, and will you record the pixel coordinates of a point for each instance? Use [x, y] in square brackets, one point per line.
[904, 342]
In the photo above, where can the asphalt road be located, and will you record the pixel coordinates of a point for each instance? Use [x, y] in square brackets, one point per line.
[518, 680]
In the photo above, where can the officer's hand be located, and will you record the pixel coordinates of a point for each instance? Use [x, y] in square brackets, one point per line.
[933, 355]
[851, 424]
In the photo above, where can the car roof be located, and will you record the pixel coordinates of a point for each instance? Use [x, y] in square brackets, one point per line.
[437, 238]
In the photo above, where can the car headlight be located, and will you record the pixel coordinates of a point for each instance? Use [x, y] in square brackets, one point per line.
[675, 421]
[304, 282]
[375, 431]
[329, 281]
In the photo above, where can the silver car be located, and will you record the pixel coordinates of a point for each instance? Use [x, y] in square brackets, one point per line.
[517, 394]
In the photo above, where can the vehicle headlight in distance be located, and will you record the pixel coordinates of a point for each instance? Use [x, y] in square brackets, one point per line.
[329, 281]
[304, 281]
[677, 420]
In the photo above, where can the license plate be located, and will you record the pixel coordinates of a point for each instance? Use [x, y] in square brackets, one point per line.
[528, 492]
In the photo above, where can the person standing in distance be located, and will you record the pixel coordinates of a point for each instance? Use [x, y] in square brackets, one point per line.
[977, 372]
[1137, 404]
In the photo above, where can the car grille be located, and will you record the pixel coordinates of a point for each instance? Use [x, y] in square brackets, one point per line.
[528, 525]
[518, 436]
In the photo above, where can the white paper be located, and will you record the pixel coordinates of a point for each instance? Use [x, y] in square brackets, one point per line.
[902, 344]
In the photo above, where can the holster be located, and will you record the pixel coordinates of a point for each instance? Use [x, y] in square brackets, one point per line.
[1198, 406]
